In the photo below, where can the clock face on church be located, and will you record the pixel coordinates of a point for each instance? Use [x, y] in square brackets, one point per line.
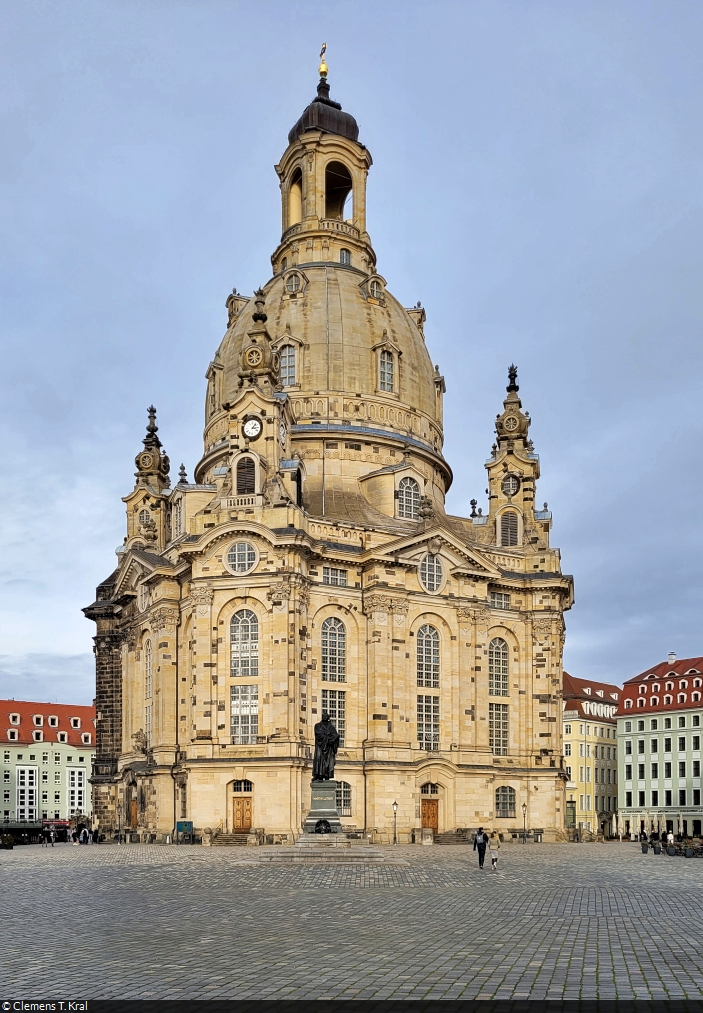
[252, 428]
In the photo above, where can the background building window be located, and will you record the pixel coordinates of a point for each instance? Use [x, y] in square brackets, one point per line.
[431, 572]
[497, 667]
[246, 476]
[428, 722]
[428, 657]
[244, 714]
[344, 796]
[288, 365]
[508, 528]
[334, 647]
[386, 370]
[345, 257]
[505, 802]
[244, 643]
[498, 728]
[334, 702]
[409, 499]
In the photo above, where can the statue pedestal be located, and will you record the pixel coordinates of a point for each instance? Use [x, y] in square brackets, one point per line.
[323, 810]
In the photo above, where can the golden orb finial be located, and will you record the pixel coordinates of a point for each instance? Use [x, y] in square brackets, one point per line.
[322, 70]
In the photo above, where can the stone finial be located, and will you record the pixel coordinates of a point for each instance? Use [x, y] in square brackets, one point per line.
[182, 477]
[473, 508]
[512, 378]
[259, 301]
[151, 439]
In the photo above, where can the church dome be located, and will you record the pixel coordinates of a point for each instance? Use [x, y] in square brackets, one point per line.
[327, 115]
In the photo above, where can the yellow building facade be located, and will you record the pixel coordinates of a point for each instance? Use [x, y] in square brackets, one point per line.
[311, 565]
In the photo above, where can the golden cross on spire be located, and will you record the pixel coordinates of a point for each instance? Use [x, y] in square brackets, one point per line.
[323, 66]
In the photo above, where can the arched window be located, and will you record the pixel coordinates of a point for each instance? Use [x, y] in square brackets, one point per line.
[681, 698]
[427, 656]
[655, 701]
[508, 528]
[148, 685]
[295, 198]
[628, 703]
[344, 798]
[497, 667]
[505, 802]
[429, 789]
[375, 290]
[431, 572]
[288, 365]
[408, 499]
[641, 702]
[386, 370]
[244, 642]
[334, 648]
[293, 282]
[246, 476]
[667, 700]
[338, 186]
[242, 786]
[284, 265]
[345, 257]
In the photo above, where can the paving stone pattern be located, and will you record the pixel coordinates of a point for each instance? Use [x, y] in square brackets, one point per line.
[152, 922]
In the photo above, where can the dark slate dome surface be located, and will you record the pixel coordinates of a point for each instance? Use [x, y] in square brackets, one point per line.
[325, 114]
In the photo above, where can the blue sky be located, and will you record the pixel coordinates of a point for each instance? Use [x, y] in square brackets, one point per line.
[537, 184]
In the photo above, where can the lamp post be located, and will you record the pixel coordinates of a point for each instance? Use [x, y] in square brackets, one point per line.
[395, 822]
[524, 823]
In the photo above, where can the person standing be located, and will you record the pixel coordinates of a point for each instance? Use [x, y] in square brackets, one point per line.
[52, 836]
[45, 838]
[480, 842]
[494, 848]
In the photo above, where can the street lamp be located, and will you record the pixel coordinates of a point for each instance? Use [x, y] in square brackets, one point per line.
[524, 823]
[395, 822]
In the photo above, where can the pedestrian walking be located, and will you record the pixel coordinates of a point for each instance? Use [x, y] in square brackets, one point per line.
[493, 849]
[480, 842]
[52, 837]
[670, 838]
[96, 836]
[45, 839]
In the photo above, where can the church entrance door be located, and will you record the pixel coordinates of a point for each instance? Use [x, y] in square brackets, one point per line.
[430, 813]
[242, 814]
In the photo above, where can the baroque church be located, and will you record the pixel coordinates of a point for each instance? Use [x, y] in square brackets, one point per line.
[311, 565]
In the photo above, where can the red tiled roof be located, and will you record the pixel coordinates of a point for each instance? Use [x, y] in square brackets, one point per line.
[589, 698]
[676, 672]
[61, 712]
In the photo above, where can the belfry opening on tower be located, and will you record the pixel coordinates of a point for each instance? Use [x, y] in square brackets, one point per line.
[295, 198]
[338, 187]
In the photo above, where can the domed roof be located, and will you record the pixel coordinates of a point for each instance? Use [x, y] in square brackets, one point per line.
[325, 114]
[339, 331]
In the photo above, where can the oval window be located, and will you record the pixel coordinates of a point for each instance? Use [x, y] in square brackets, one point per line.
[431, 572]
[241, 557]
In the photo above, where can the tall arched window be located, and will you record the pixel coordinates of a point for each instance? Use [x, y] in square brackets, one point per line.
[505, 802]
[148, 680]
[295, 198]
[497, 667]
[345, 257]
[244, 643]
[338, 186]
[427, 656]
[344, 798]
[408, 499]
[386, 370]
[246, 476]
[334, 650]
[508, 528]
[288, 365]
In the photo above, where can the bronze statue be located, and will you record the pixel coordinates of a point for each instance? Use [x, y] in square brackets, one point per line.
[326, 746]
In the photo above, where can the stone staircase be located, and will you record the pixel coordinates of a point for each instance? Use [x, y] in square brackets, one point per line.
[455, 837]
[230, 840]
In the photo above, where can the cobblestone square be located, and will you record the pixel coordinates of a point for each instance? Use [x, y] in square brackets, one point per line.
[151, 922]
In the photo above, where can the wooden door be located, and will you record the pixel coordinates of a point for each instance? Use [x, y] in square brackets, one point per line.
[242, 814]
[430, 813]
[133, 813]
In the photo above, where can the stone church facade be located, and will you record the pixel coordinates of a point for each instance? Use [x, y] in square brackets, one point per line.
[310, 565]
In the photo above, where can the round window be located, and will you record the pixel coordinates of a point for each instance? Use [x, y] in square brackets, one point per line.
[293, 282]
[431, 572]
[510, 485]
[241, 557]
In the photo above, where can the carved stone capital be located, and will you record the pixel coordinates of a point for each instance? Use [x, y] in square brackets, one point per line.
[279, 591]
[164, 619]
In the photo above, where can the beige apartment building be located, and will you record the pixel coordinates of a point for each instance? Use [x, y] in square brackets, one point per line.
[590, 754]
[311, 565]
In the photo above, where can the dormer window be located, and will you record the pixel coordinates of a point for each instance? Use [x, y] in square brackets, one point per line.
[287, 365]
[37, 736]
[654, 701]
[683, 684]
[681, 698]
[669, 685]
[667, 700]
[628, 704]
[14, 719]
[293, 282]
[75, 722]
[641, 702]
[599, 692]
[375, 289]
[656, 687]
[643, 689]
[409, 499]
[345, 258]
[62, 736]
[12, 734]
[86, 738]
[587, 690]
[38, 720]
[387, 370]
[53, 721]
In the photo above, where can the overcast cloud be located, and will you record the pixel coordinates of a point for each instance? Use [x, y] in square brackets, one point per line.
[536, 184]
